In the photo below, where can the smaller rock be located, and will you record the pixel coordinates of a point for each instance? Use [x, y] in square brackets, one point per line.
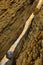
[9, 55]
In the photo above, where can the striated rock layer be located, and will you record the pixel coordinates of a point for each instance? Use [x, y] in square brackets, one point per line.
[32, 49]
[13, 15]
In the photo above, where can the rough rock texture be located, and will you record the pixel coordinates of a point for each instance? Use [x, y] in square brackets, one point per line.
[13, 15]
[32, 50]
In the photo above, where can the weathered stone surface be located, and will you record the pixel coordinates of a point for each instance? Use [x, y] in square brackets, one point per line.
[13, 15]
[32, 50]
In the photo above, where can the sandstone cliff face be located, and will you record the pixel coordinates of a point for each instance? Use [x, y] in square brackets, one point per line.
[13, 15]
[32, 49]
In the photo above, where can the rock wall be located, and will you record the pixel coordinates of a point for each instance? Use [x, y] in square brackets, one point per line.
[13, 15]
